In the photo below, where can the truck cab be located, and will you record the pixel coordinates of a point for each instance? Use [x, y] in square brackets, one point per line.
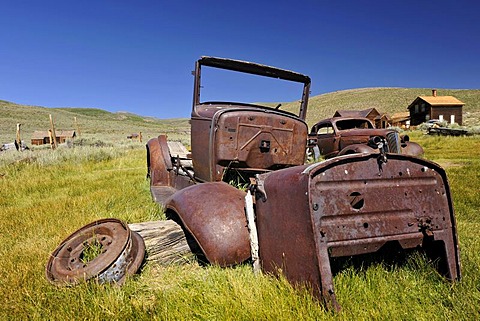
[232, 137]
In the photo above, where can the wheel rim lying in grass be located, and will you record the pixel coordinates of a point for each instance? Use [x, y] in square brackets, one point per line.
[106, 250]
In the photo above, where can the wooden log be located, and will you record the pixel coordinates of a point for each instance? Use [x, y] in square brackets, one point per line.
[166, 242]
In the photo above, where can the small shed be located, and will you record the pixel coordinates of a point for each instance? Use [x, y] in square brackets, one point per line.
[401, 120]
[41, 137]
[444, 108]
[132, 136]
[382, 121]
[135, 136]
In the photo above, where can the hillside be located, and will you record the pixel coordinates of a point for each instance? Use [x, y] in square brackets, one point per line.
[92, 123]
[385, 100]
[101, 124]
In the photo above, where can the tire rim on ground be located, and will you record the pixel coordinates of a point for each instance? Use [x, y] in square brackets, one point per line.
[117, 252]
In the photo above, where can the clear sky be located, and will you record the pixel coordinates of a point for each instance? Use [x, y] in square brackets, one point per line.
[137, 56]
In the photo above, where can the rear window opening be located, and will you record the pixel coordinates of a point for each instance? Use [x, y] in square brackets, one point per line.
[353, 124]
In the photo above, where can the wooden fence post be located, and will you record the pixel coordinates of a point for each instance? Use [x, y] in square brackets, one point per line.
[18, 140]
[77, 128]
[52, 126]
[50, 138]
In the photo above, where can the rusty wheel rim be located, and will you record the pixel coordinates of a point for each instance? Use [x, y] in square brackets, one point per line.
[117, 251]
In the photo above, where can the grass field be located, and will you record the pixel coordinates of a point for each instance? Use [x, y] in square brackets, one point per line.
[46, 195]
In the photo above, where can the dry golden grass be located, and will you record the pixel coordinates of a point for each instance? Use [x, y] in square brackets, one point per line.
[43, 201]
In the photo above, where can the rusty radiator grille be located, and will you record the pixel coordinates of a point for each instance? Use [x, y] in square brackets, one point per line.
[393, 141]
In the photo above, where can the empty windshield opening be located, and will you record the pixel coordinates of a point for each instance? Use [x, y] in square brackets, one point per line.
[230, 86]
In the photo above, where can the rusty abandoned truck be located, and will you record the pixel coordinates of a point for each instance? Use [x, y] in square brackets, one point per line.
[350, 135]
[306, 214]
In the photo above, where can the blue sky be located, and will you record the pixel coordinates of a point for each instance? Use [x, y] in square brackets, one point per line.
[137, 56]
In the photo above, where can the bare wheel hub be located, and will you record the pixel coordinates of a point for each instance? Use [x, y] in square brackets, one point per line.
[106, 250]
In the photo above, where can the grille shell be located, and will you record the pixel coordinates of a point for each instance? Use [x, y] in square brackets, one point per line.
[393, 142]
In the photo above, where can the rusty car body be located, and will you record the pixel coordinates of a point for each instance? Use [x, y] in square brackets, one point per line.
[305, 214]
[231, 141]
[349, 135]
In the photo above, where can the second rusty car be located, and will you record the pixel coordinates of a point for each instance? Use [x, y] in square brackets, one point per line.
[351, 135]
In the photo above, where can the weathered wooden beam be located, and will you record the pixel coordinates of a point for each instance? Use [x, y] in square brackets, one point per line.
[166, 242]
[18, 140]
[52, 128]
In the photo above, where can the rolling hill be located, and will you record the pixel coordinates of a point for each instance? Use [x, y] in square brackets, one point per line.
[91, 122]
[385, 100]
[102, 124]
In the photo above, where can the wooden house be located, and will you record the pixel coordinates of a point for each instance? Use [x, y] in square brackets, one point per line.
[132, 136]
[443, 108]
[135, 136]
[401, 120]
[382, 121]
[379, 120]
[40, 137]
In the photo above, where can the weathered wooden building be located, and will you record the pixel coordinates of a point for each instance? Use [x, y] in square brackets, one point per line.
[41, 137]
[135, 136]
[379, 120]
[401, 120]
[444, 108]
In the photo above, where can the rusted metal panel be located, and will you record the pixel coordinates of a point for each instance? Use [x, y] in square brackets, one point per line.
[256, 139]
[246, 138]
[285, 232]
[159, 162]
[200, 132]
[214, 215]
[167, 174]
[352, 205]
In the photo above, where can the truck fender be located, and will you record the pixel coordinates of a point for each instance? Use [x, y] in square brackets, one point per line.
[412, 149]
[159, 161]
[213, 213]
[356, 149]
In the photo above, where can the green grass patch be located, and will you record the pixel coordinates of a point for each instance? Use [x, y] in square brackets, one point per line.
[91, 251]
